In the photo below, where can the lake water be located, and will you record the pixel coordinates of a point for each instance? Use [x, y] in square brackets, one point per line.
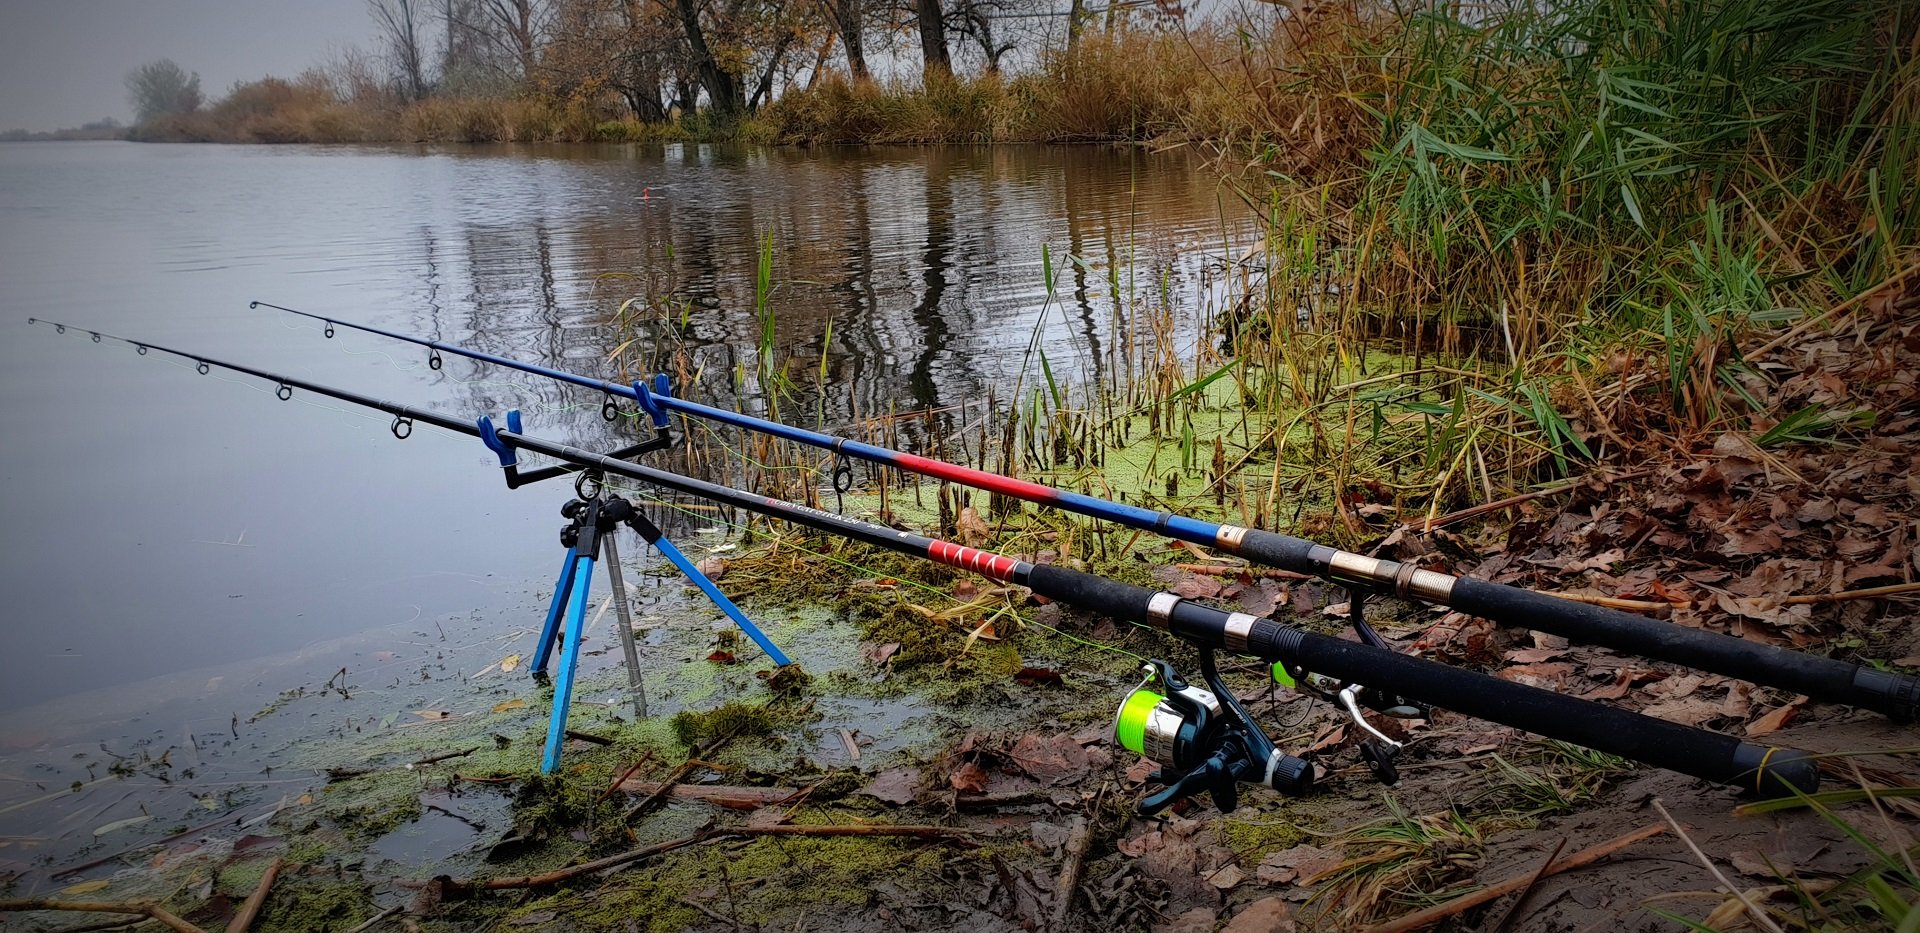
[189, 542]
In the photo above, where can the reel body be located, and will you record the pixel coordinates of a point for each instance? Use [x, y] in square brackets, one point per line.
[1202, 739]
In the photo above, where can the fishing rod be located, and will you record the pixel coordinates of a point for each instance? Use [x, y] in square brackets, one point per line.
[592, 517]
[1154, 721]
[1892, 694]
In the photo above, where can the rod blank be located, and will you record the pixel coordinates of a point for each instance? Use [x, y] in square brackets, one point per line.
[1894, 695]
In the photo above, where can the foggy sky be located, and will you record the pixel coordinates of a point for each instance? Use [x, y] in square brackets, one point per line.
[64, 62]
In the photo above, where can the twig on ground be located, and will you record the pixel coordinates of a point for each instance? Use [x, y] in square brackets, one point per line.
[377, 919]
[1425, 918]
[717, 916]
[733, 797]
[675, 776]
[103, 907]
[1759, 916]
[1513, 910]
[614, 788]
[124, 923]
[1079, 838]
[445, 756]
[1017, 798]
[451, 887]
[248, 911]
[854, 829]
[589, 737]
[493, 779]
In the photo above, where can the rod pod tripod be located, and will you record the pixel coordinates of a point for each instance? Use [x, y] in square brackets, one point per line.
[594, 517]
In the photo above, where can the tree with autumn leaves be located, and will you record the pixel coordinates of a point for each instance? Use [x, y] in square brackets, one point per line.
[659, 58]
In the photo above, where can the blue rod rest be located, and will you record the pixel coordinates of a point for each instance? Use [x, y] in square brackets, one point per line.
[720, 599]
[649, 404]
[490, 436]
[555, 610]
[569, 663]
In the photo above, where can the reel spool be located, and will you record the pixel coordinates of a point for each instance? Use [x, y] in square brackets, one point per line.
[1173, 730]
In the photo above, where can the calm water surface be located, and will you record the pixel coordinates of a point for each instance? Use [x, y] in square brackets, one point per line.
[168, 533]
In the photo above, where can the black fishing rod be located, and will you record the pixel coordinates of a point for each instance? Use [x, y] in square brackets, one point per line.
[1684, 749]
[1892, 694]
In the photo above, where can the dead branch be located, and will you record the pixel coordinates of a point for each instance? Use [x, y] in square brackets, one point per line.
[103, 907]
[1421, 919]
[720, 795]
[1079, 838]
[614, 788]
[251, 909]
[674, 777]
[450, 887]
[854, 829]
[445, 756]
[377, 919]
[1513, 909]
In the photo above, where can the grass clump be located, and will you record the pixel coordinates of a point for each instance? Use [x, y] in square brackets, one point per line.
[736, 720]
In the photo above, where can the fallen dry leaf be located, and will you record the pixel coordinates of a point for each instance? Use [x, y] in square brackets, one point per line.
[893, 786]
[1298, 863]
[507, 705]
[973, 532]
[1036, 676]
[1228, 878]
[969, 778]
[879, 655]
[1778, 719]
[433, 715]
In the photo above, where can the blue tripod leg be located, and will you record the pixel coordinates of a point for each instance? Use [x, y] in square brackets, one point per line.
[653, 536]
[569, 660]
[544, 650]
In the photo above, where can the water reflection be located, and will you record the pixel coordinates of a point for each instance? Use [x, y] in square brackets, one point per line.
[902, 279]
[925, 266]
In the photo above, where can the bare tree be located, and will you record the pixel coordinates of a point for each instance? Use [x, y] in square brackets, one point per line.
[399, 25]
[159, 88]
[723, 88]
[933, 37]
[849, 20]
[518, 23]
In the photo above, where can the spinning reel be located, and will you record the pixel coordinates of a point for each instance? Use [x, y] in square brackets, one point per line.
[1203, 739]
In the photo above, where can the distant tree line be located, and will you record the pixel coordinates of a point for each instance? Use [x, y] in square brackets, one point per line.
[104, 128]
[661, 57]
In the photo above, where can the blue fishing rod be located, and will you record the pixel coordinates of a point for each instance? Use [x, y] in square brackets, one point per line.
[593, 517]
[1893, 694]
[1203, 738]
